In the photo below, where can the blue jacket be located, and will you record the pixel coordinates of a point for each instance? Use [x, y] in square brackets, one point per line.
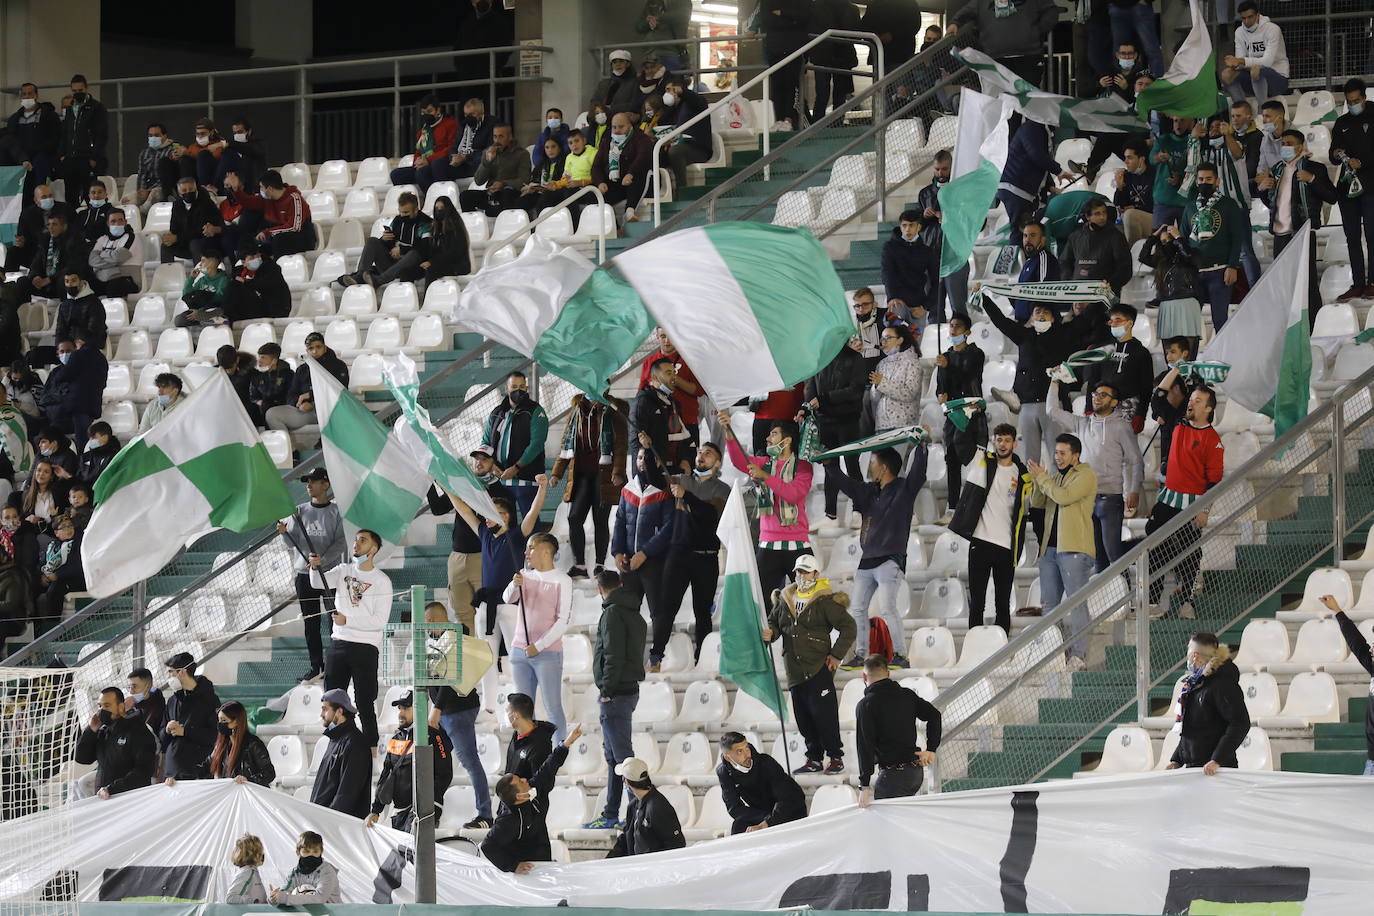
[1028, 159]
[645, 520]
[907, 269]
[1040, 268]
[85, 375]
[888, 508]
[561, 135]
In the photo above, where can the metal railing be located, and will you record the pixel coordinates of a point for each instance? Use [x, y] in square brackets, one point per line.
[1327, 41]
[763, 81]
[1020, 716]
[291, 85]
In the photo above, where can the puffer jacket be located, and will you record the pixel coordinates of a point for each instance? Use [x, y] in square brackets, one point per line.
[1097, 253]
[645, 520]
[899, 393]
[1213, 715]
[805, 633]
[839, 387]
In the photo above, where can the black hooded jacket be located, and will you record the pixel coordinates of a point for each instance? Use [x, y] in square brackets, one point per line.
[1215, 720]
[344, 781]
[765, 793]
[198, 712]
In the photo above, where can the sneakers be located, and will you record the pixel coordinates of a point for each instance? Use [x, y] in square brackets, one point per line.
[853, 664]
[781, 127]
[598, 570]
[478, 823]
[1355, 292]
[577, 572]
[311, 676]
[811, 766]
[602, 822]
[835, 767]
[372, 278]
[1009, 398]
[899, 661]
[1075, 663]
[654, 668]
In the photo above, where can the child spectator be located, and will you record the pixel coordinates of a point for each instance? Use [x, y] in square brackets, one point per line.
[246, 886]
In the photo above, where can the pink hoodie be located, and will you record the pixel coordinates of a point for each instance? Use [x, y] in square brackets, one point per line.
[770, 527]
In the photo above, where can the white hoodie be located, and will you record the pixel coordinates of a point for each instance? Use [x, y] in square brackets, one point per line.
[1263, 47]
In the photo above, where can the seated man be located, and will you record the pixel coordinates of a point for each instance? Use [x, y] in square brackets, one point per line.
[203, 293]
[94, 214]
[168, 398]
[269, 383]
[473, 138]
[433, 140]
[384, 258]
[258, 290]
[116, 258]
[1259, 67]
[756, 790]
[195, 222]
[31, 227]
[299, 409]
[157, 171]
[59, 251]
[520, 836]
[907, 269]
[242, 153]
[287, 227]
[502, 168]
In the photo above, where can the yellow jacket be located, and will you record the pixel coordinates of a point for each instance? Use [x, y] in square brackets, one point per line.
[1071, 500]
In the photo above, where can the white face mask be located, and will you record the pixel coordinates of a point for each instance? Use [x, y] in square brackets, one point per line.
[1119, 332]
[601, 117]
[1041, 326]
[555, 123]
[29, 104]
[742, 769]
[240, 138]
[154, 143]
[669, 99]
[202, 141]
[173, 684]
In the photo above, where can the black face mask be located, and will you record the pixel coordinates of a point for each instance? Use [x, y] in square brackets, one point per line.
[1205, 188]
[307, 864]
[73, 292]
[79, 97]
[106, 717]
[483, 7]
[429, 120]
[472, 120]
[519, 396]
[189, 196]
[224, 728]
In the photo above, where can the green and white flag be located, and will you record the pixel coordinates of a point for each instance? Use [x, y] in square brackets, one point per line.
[552, 305]
[980, 154]
[744, 657]
[11, 201]
[426, 443]
[751, 307]
[200, 469]
[1188, 89]
[885, 439]
[377, 482]
[1267, 344]
[1100, 115]
[14, 441]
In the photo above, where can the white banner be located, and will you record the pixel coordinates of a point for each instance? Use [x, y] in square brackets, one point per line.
[1152, 843]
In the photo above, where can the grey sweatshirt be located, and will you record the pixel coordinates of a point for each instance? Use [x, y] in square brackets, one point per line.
[324, 527]
[320, 886]
[1109, 448]
[246, 887]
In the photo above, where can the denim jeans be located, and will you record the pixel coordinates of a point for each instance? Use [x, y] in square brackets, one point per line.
[1063, 574]
[1138, 19]
[616, 741]
[1166, 214]
[1270, 83]
[1214, 289]
[461, 730]
[544, 670]
[1249, 261]
[1108, 512]
[1369, 768]
[1036, 429]
[885, 580]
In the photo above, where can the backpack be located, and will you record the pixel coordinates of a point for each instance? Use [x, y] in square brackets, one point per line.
[879, 639]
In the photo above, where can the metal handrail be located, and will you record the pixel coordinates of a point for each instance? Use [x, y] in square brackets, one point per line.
[762, 79]
[1137, 558]
[54, 635]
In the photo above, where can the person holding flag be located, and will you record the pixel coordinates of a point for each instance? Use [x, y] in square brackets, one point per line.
[315, 527]
[544, 596]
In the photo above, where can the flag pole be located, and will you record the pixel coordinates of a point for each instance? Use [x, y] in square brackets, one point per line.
[782, 707]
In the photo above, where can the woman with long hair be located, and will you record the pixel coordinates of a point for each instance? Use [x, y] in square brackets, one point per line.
[239, 754]
[44, 496]
[445, 251]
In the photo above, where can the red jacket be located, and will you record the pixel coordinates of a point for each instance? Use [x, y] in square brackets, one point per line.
[635, 158]
[287, 213]
[445, 132]
[782, 405]
[1196, 459]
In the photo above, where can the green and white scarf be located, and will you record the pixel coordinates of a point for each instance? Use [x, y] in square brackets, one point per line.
[1276, 171]
[1206, 218]
[1064, 292]
[1228, 176]
[1348, 177]
[768, 501]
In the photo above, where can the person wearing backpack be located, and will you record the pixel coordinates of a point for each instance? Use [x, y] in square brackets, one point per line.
[887, 501]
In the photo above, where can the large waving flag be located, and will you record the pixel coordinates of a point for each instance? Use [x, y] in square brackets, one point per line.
[552, 305]
[200, 469]
[980, 154]
[1188, 88]
[1268, 344]
[1104, 115]
[377, 482]
[752, 308]
[426, 444]
[11, 201]
[744, 658]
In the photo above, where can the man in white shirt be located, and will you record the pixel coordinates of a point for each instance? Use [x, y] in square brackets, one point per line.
[992, 516]
[362, 607]
[1260, 65]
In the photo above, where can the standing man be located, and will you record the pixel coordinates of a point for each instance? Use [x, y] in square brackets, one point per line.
[651, 822]
[362, 602]
[1212, 717]
[887, 500]
[1214, 230]
[1134, 197]
[617, 670]
[1041, 343]
[595, 442]
[1130, 368]
[1097, 250]
[85, 132]
[958, 375]
[456, 713]
[188, 733]
[515, 433]
[656, 422]
[315, 527]
[1170, 157]
[1068, 550]
[1111, 450]
[992, 518]
[1352, 149]
[804, 614]
[694, 557]
[835, 399]
[1197, 461]
[1294, 190]
[119, 744]
[465, 558]
[950, 295]
[344, 779]
[643, 534]
[907, 265]
[756, 790]
[396, 784]
[887, 736]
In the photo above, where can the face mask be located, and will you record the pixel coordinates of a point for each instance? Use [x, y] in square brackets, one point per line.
[1125, 64]
[619, 139]
[1288, 154]
[264, 195]
[664, 387]
[138, 697]
[774, 451]
[1205, 188]
[740, 768]
[429, 120]
[224, 729]
[957, 339]
[47, 203]
[360, 556]
[669, 99]
[1041, 326]
[240, 138]
[1215, 142]
[173, 684]
[164, 399]
[64, 358]
[1268, 128]
[73, 292]
[28, 103]
[939, 181]
[890, 346]
[106, 717]
[202, 141]
[1357, 109]
[519, 396]
[1118, 332]
[601, 117]
[1251, 28]
[78, 97]
[154, 143]
[307, 864]
[117, 231]
[11, 525]
[554, 123]
[534, 793]
[253, 263]
[699, 474]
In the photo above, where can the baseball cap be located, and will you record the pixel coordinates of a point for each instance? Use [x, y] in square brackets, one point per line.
[317, 474]
[620, 54]
[406, 699]
[633, 769]
[339, 697]
[484, 450]
[314, 337]
[806, 563]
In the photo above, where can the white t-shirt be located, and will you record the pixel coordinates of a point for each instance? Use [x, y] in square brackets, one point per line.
[994, 525]
[363, 597]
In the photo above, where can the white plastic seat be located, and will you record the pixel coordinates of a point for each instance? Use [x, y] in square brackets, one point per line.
[1326, 581]
[294, 270]
[440, 189]
[943, 598]
[1128, 750]
[703, 703]
[1319, 645]
[596, 222]
[687, 755]
[358, 301]
[795, 208]
[400, 298]
[168, 279]
[1312, 106]
[498, 256]
[296, 173]
[116, 315]
[459, 808]
[923, 687]
[905, 134]
[490, 753]
[1312, 698]
[845, 555]
[556, 227]
[122, 417]
[1352, 360]
[346, 235]
[341, 334]
[832, 797]
[373, 172]
[656, 704]
[645, 746]
[1263, 642]
[713, 818]
[302, 711]
[567, 809]
[1336, 279]
[145, 389]
[384, 334]
[324, 206]
[287, 754]
[585, 758]
[478, 227]
[255, 335]
[850, 695]
[333, 176]
[366, 369]
[708, 660]
[150, 312]
[979, 644]
[211, 339]
[159, 219]
[118, 382]
[195, 374]
[133, 346]
[441, 297]
[293, 338]
[852, 172]
[1261, 694]
[510, 223]
[360, 204]
[949, 554]
[1336, 319]
[278, 445]
[1255, 751]
[174, 344]
[931, 648]
[426, 333]
[747, 712]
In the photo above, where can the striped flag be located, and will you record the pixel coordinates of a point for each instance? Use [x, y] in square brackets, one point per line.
[752, 308]
[200, 469]
[1104, 115]
[980, 154]
[1188, 88]
[553, 305]
[744, 658]
[377, 482]
[11, 201]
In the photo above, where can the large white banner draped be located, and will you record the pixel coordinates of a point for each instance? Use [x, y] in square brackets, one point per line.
[1153, 843]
